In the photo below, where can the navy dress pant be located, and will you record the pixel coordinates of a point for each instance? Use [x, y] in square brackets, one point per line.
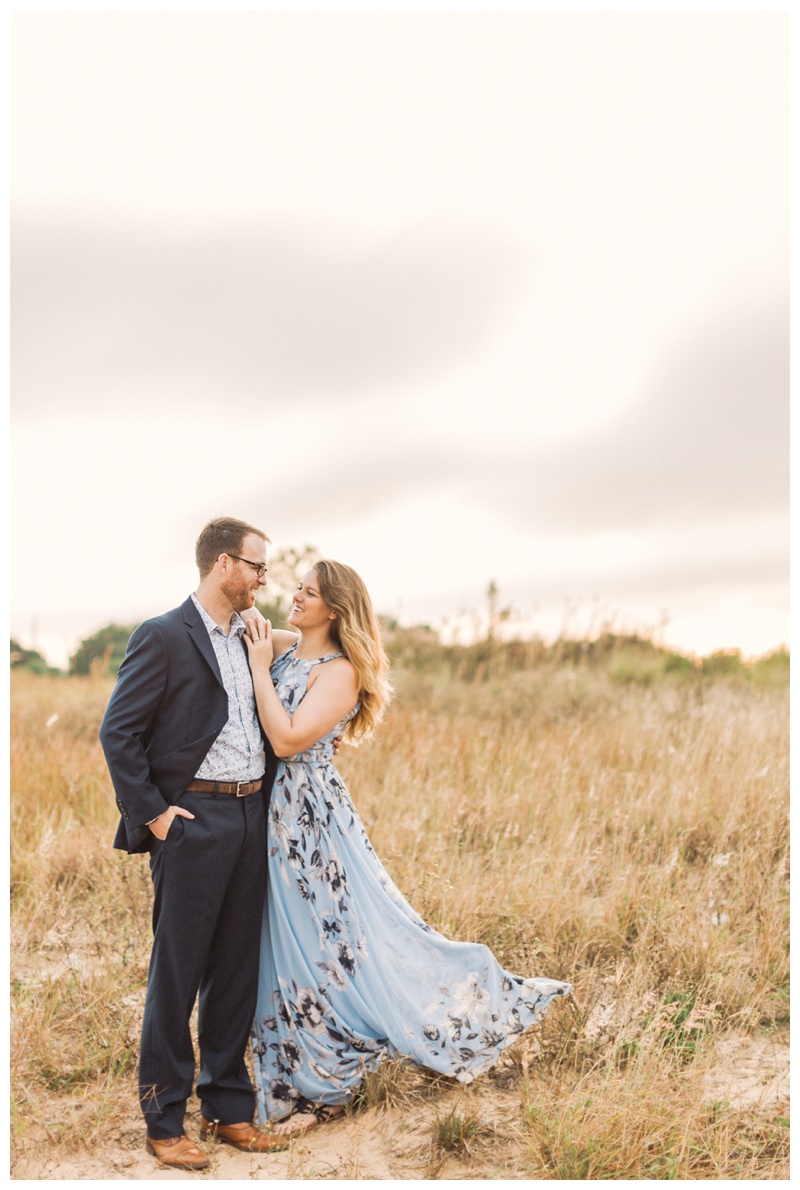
[209, 885]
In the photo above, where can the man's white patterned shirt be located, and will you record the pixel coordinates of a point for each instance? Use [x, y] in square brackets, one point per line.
[237, 754]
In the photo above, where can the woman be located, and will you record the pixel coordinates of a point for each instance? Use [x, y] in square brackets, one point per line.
[349, 972]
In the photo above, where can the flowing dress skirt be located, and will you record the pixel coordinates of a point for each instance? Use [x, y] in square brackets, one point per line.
[350, 973]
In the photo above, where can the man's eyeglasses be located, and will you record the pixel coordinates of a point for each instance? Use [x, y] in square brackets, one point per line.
[259, 567]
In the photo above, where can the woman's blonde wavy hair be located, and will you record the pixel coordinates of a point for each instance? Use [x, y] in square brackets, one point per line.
[355, 631]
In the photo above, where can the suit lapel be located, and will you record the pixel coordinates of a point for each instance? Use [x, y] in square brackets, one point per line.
[199, 635]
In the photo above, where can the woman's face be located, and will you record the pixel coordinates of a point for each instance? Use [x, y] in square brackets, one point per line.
[309, 609]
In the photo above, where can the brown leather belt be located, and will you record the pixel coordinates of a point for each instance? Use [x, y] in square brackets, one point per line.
[239, 788]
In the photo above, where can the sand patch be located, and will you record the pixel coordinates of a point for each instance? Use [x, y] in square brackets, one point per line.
[397, 1142]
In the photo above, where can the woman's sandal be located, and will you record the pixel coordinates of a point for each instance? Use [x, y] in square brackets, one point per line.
[307, 1115]
[325, 1112]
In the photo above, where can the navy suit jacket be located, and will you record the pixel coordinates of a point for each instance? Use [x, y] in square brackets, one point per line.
[168, 707]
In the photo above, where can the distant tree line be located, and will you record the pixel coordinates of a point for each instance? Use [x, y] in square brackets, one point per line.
[30, 659]
[625, 657]
[103, 651]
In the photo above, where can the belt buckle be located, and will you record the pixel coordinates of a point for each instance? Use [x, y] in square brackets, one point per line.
[238, 786]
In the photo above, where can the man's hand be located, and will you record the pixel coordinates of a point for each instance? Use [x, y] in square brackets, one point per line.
[159, 826]
[337, 743]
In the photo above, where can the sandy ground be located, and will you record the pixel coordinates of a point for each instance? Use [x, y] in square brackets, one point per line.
[378, 1143]
[751, 1072]
[395, 1143]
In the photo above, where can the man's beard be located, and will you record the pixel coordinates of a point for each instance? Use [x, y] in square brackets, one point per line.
[240, 596]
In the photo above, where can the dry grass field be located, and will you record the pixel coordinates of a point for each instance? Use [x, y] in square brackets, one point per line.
[629, 837]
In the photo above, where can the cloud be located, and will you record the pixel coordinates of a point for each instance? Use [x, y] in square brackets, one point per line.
[248, 317]
[678, 571]
[709, 437]
[707, 441]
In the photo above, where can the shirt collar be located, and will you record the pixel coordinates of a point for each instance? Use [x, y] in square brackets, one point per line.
[237, 623]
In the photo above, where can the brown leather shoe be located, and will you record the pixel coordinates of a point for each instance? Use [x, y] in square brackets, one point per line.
[178, 1152]
[244, 1137]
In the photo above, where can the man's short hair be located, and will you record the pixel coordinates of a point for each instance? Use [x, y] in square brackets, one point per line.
[222, 536]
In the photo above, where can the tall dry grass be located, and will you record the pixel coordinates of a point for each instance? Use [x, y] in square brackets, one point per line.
[631, 839]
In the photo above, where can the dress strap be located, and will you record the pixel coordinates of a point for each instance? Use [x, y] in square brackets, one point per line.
[285, 656]
[328, 657]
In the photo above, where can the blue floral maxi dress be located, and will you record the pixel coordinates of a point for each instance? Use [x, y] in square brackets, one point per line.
[349, 973]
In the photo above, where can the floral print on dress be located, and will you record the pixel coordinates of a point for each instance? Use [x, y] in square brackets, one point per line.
[350, 973]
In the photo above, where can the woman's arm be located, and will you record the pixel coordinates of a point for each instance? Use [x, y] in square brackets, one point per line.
[333, 694]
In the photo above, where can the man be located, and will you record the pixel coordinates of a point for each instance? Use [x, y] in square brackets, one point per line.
[191, 770]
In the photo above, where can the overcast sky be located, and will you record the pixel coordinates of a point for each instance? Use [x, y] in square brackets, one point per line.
[453, 296]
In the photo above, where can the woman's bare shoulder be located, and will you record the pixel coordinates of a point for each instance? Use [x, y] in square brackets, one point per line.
[337, 673]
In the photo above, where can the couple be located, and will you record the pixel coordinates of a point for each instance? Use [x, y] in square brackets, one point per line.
[268, 898]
